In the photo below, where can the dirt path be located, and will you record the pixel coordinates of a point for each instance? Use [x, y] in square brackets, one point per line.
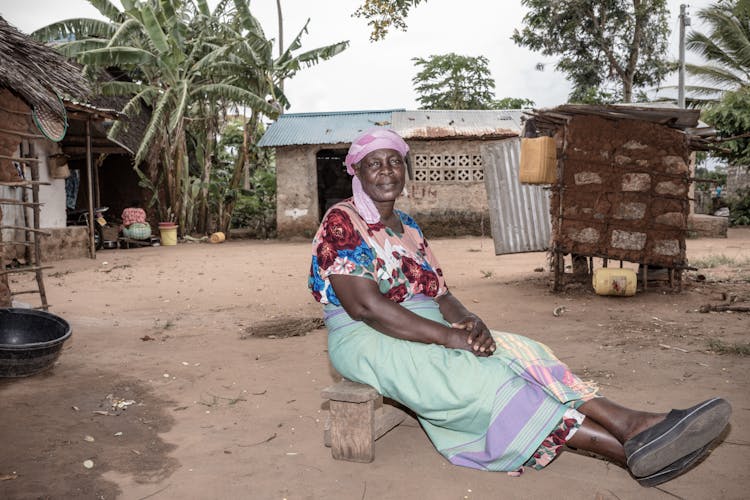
[219, 416]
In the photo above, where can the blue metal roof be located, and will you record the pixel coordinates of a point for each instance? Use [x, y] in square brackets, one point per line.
[323, 128]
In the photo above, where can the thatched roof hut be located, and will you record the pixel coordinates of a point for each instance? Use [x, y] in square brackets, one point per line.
[38, 74]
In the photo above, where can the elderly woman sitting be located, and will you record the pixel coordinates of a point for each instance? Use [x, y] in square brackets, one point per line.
[487, 400]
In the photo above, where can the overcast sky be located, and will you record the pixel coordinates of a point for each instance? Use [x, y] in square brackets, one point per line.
[370, 76]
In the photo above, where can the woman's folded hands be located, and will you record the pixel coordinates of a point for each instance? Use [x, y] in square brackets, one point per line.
[478, 338]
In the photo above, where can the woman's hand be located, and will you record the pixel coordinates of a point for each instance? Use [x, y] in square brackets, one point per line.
[479, 339]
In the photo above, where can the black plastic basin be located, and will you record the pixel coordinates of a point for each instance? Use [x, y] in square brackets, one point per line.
[30, 341]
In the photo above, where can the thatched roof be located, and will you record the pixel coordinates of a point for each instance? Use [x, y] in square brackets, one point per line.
[36, 73]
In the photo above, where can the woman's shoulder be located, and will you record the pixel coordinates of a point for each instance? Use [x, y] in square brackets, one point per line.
[408, 220]
[346, 206]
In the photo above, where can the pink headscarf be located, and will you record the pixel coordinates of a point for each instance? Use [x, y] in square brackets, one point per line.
[368, 141]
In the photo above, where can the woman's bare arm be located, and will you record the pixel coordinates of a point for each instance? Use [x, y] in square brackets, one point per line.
[362, 300]
[456, 313]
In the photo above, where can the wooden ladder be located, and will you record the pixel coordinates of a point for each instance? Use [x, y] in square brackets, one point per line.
[32, 233]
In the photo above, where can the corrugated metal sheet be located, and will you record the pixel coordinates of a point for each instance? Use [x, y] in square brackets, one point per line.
[323, 128]
[444, 124]
[341, 127]
[519, 213]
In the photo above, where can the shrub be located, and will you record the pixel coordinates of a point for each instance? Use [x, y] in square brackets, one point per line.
[739, 208]
[256, 208]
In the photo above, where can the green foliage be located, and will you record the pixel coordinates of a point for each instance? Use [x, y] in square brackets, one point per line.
[718, 174]
[721, 347]
[593, 95]
[719, 260]
[452, 81]
[739, 208]
[596, 43]
[726, 47]
[189, 67]
[383, 15]
[512, 103]
[731, 118]
[256, 208]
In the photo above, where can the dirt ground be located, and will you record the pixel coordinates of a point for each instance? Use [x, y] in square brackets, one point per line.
[218, 413]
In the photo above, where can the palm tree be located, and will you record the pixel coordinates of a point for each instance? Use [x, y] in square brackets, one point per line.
[726, 47]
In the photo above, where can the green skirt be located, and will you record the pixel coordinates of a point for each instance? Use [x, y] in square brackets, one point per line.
[487, 413]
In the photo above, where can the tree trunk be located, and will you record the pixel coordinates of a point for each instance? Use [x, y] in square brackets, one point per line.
[281, 41]
[245, 156]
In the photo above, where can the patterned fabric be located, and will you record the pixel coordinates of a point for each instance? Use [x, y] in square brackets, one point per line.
[552, 445]
[137, 231]
[368, 141]
[488, 413]
[132, 215]
[401, 264]
[72, 182]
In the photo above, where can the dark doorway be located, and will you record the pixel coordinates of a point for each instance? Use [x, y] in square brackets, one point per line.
[334, 184]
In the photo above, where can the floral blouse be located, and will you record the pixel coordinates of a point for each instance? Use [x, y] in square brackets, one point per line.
[402, 265]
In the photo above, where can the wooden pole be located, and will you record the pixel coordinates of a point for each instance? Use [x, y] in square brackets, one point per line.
[90, 186]
[37, 243]
[5, 297]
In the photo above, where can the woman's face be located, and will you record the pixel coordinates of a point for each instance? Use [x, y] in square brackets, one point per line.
[382, 173]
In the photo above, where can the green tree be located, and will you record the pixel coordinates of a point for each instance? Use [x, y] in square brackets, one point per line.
[617, 42]
[512, 103]
[382, 15]
[246, 59]
[452, 81]
[173, 60]
[731, 119]
[725, 94]
[158, 45]
[726, 47]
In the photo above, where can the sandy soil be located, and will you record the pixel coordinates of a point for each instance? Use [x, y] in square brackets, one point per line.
[217, 415]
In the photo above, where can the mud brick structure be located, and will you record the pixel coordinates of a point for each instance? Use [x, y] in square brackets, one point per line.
[623, 180]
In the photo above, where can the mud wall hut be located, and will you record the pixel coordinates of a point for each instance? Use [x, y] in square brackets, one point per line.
[49, 122]
[623, 181]
[446, 183]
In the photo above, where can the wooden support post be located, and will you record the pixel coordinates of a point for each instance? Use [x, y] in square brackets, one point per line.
[5, 297]
[357, 418]
[352, 431]
[36, 207]
[556, 264]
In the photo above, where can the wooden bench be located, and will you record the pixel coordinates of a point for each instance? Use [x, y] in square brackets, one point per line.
[358, 416]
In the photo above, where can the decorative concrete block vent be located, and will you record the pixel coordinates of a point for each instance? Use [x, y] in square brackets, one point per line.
[622, 191]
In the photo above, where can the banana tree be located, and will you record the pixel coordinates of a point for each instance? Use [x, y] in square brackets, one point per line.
[247, 61]
[187, 65]
[158, 43]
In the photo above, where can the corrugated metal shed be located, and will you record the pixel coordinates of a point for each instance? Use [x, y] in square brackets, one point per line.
[323, 128]
[519, 213]
[452, 124]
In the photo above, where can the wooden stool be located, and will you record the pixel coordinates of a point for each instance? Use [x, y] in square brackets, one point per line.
[358, 417]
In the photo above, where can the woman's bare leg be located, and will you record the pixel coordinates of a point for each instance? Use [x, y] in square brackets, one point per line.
[594, 438]
[623, 423]
[608, 425]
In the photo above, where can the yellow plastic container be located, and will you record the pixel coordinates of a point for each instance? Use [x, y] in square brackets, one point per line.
[538, 161]
[168, 235]
[615, 281]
